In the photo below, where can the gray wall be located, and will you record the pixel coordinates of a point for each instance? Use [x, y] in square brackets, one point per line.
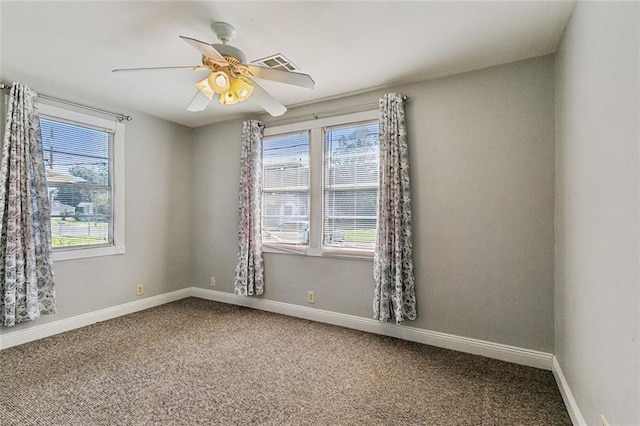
[482, 170]
[157, 224]
[597, 218]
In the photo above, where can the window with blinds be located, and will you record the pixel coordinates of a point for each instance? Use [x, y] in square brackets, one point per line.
[78, 162]
[350, 185]
[285, 189]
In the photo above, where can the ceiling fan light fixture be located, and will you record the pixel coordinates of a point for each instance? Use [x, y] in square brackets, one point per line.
[205, 89]
[219, 82]
[232, 79]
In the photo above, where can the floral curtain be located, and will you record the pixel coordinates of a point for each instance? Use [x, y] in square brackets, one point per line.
[26, 264]
[250, 269]
[394, 296]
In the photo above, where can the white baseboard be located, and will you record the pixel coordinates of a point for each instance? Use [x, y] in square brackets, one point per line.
[567, 396]
[499, 351]
[13, 338]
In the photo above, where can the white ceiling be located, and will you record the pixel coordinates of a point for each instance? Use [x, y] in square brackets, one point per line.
[68, 49]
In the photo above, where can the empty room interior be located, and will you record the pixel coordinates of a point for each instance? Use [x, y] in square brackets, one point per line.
[320, 212]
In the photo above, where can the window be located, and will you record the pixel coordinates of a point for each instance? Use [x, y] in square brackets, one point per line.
[320, 186]
[350, 185]
[285, 189]
[83, 160]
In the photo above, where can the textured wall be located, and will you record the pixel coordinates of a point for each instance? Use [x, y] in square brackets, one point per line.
[481, 147]
[597, 218]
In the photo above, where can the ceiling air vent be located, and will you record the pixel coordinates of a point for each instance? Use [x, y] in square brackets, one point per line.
[277, 62]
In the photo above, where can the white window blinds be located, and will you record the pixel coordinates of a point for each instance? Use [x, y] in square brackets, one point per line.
[285, 189]
[78, 168]
[350, 186]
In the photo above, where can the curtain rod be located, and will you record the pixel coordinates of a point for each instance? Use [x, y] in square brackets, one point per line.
[119, 116]
[325, 114]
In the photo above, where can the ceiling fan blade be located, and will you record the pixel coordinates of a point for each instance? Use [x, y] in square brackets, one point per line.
[288, 77]
[205, 48]
[186, 67]
[266, 101]
[198, 103]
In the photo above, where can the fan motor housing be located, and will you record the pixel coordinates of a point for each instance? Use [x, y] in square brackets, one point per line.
[230, 51]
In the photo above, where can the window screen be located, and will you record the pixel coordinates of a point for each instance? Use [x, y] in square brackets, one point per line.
[285, 189]
[78, 168]
[350, 186]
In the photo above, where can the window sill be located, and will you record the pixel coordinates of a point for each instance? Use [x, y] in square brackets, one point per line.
[82, 253]
[335, 253]
[353, 254]
[285, 249]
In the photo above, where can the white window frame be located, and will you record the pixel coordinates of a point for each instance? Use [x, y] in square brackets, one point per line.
[316, 198]
[117, 182]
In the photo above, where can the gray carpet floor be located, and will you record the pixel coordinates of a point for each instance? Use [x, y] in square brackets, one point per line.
[197, 362]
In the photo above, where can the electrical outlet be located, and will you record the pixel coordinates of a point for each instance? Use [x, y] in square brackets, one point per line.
[139, 289]
[311, 297]
[604, 421]
[213, 281]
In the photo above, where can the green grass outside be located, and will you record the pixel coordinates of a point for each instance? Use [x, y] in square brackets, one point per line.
[60, 239]
[73, 240]
[360, 235]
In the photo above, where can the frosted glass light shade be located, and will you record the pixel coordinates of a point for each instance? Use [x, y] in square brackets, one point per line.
[228, 98]
[242, 89]
[204, 87]
[219, 82]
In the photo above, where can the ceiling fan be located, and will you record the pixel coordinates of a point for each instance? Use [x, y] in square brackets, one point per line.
[230, 79]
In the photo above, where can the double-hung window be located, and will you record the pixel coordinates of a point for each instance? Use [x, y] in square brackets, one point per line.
[285, 189]
[83, 158]
[350, 186]
[320, 186]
